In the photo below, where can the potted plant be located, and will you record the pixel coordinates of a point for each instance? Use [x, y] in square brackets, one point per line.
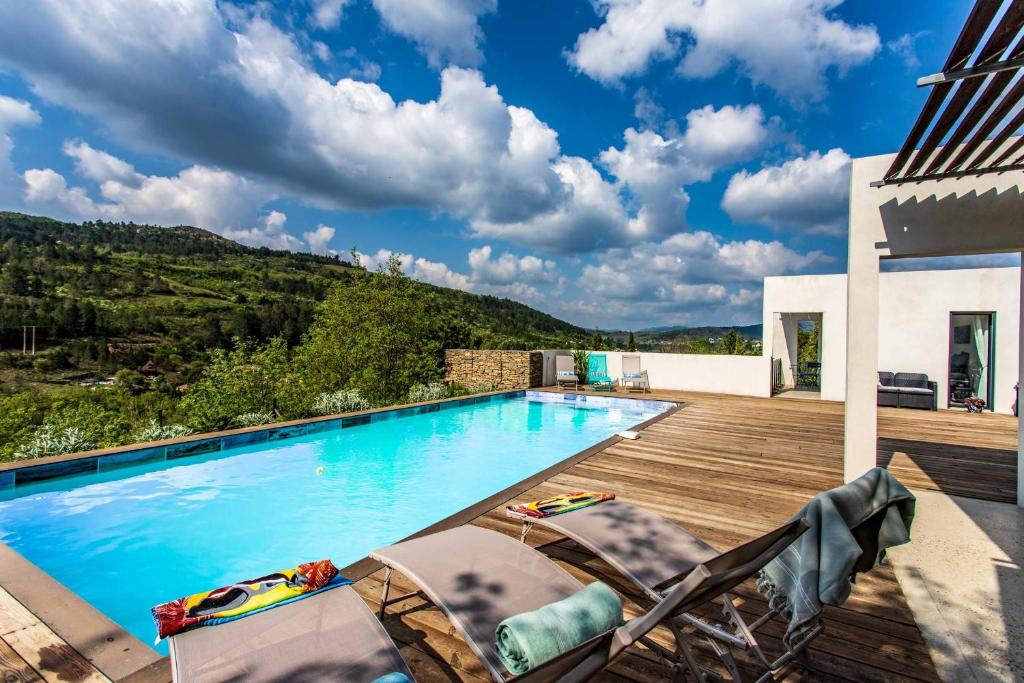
[581, 361]
[974, 404]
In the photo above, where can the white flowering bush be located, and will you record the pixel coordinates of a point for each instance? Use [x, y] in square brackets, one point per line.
[50, 440]
[254, 419]
[155, 431]
[342, 401]
[427, 392]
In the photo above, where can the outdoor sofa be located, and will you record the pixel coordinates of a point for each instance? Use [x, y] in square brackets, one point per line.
[907, 390]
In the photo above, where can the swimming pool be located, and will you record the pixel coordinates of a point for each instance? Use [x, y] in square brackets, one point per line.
[132, 536]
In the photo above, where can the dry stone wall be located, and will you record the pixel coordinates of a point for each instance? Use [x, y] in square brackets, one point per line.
[502, 369]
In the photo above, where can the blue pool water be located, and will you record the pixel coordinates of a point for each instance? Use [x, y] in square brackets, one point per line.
[133, 537]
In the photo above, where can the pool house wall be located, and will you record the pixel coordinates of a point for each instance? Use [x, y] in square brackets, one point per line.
[913, 326]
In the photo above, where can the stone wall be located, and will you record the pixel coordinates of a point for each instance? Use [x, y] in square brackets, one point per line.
[503, 369]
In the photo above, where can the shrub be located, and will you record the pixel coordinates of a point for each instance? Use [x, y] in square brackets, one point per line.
[472, 388]
[254, 419]
[155, 431]
[343, 401]
[427, 392]
[51, 440]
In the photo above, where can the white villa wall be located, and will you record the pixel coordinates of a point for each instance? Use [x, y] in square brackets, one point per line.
[914, 310]
[825, 294]
[740, 375]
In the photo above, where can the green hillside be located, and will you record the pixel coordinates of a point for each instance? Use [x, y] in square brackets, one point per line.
[105, 296]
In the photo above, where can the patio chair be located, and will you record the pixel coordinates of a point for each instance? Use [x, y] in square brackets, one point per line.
[327, 637]
[597, 373]
[478, 578]
[633, 377]
[565, 373]
[654, 553]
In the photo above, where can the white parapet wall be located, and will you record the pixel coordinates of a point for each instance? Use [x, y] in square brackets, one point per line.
[719, 374]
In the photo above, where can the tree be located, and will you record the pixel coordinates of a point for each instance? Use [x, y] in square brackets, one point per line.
[597, 341]
[732, 343]
[376, 335]
[630, 343]
[247, 379]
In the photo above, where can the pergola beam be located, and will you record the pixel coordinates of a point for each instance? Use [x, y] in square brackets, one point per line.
[971, 72]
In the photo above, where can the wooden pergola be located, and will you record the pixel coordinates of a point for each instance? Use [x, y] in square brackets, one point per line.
[973, 107]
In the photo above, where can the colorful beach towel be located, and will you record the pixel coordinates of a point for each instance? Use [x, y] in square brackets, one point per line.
[566, 502]
[245, 598]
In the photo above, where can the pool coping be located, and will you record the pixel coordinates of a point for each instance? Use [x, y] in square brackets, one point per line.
[122, 657]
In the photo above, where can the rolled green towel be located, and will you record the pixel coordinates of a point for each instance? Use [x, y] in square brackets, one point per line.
[531, 638]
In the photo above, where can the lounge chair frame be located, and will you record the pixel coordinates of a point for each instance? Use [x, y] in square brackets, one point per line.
[741, 635]
[631, 366]
[701, 584]
[560, 366]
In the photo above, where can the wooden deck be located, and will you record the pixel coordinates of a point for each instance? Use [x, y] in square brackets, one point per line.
[725, 467]
[956, 452]
[728, 469]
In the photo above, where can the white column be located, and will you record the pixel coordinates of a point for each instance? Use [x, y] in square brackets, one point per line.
[1020, 412]
[861, 434]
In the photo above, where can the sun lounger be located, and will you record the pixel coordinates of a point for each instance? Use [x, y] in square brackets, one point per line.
[654, 554]
[565, 372]
[328, 637]
[633, 376]
[597, 373]
[478, 578]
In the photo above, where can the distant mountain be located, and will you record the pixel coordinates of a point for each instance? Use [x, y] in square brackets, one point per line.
[749, 331]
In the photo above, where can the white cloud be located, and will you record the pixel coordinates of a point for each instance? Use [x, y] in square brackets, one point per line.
[13, 113]
[319, 239]
[100, 166]
[807, 193]
[905, 47]
[690, 272]
[446, 31]
[421, 269]
[787, 45]
[327, 13]
[268, 232]
[719, 138]
[210, 198]
[509, 269]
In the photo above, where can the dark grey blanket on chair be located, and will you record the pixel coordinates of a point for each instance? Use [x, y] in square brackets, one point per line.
[850, 528]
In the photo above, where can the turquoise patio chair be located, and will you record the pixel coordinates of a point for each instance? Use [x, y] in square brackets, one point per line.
[597, 373]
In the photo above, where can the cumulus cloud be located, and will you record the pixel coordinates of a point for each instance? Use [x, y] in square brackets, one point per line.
[787, 45]
[13, 113]
[319, 239]
[690, 272]
[422, 269]
[650, 173]
[326, 14]
[808, 193]
[211, 198]
[654, 169]
[235, 97]
[509, 269]
[446, 31]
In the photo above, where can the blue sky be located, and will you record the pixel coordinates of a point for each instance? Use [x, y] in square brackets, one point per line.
[621, 163]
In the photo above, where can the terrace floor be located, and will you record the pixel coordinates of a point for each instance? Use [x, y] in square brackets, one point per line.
[727, 468]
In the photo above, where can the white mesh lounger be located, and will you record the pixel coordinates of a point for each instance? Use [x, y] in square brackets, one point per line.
[654, 554]
[328, 637]
[478, 578]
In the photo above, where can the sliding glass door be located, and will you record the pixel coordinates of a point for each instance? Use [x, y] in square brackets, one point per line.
[971, 350]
